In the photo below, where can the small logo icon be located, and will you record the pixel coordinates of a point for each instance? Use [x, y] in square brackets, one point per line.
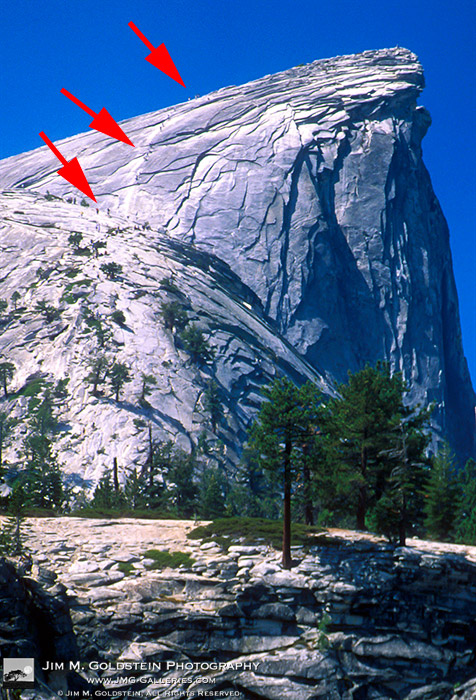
[18, 673]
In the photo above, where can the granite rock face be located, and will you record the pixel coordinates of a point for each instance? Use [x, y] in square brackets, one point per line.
[39, 263]
[354, 618]
[309, 186]
[35, 623]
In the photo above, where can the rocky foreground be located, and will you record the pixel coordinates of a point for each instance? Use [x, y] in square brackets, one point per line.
[355, 617]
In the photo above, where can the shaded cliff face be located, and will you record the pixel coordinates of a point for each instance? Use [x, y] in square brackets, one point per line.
[310, 186]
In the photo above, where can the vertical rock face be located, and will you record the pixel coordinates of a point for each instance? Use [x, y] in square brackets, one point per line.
[310, 186]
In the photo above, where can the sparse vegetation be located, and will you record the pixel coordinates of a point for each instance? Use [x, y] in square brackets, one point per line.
[118, 317]
[167, 283]
[112, 270]
[173, 315]
[119, 375]
[50, 313]
[16, 296]
[195, 344]
[7, 372]
[250, 531]
[125, 567]
[171, 560]
[74, 239]
[97, 246]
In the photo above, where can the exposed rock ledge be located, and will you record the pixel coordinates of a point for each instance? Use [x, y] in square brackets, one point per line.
[401, 621]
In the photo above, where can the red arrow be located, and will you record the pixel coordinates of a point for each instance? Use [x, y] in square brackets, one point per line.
[102, 121]
[72, 171]
[159, 57]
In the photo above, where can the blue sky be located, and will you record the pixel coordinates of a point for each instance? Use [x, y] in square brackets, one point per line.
[86, 47]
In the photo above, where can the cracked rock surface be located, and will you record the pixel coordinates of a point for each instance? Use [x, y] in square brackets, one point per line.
[353, 618]
[309, 186]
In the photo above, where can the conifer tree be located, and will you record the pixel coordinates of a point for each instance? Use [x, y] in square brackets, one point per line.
[148, 381]
[118, 376]
[195, 344]
[16, 296]
[107, 494]
[180, 483]
[7, 371]
[97, 245]
[157, 464]
[357, 428]
[6, 427]
[281, 429]
[98, 371]
[51, 313]
[400, 506]
[212, 494]
[75, 239]
[134, 491]
[11, 538]
[441, 495]
[111, 269]
[466, 515]
[41, 481]
[173, 315]
[212, 404]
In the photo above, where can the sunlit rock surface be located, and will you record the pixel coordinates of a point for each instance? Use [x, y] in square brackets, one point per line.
[308, 188]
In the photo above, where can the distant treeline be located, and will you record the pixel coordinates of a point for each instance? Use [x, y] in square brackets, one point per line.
[359, 459]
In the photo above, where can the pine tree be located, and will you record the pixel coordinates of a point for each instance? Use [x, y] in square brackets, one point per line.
[97, 245]
[441, 495]
[148, 381]
[400, 506]
[7, 371]
[112, 270]
[281, 429]
[157, 464]
[75, 239]
[212, 404]
[357, 427]
[6, 426]
[16, 296]
[98, 371]
[195, 344]
[134, 491]
[118, 376]
[41, 480]
[466, 515]
[51, 313]
[212, 489]
[180, 484]
[108, 495]
[173, 315]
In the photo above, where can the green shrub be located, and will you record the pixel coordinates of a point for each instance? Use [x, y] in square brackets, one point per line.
[195, 344]
[118, 317]
[111, 269]
[125, 567]
[34, 387]
[167, 284]
[173, 560]
[227, 531]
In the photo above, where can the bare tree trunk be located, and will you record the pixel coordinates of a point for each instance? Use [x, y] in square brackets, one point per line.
[362, 499]
[115, 475]
[308, 510]
[286, 561]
